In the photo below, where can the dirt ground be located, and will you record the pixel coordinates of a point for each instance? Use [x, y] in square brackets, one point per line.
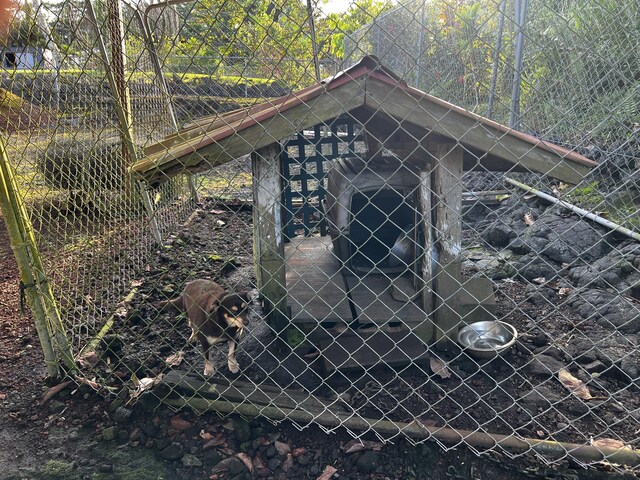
[81, 433]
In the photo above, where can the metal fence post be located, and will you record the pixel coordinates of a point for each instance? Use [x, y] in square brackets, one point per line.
[520, 18]
[126, 131]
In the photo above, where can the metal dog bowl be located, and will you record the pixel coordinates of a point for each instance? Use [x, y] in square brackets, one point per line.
[487, 339]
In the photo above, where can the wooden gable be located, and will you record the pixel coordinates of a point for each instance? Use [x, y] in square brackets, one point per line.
[376, 97]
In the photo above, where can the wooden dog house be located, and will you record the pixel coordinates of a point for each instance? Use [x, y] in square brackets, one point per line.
[365, 120]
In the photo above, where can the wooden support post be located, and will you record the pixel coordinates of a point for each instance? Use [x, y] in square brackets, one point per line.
[447, 213]
[268, 241]
[46, 317]
[425, 330]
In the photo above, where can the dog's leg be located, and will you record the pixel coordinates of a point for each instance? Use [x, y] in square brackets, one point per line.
[194, 334]
[234, 367]
[209, 367]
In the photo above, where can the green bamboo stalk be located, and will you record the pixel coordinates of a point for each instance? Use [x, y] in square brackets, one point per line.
[38, 291]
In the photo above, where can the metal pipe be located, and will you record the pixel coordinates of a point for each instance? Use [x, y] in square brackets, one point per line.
[496, 60]
[314, 42]
[521, 15]
[580, 211]
[445, 435]
[420, 40]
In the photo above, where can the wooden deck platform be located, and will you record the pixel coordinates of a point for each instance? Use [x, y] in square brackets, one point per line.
[316, 290]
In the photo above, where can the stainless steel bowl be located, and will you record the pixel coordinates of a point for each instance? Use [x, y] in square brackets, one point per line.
[487, 339]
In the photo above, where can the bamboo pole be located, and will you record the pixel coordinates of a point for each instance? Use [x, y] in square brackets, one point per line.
[38, 290]
[580, 211]
[445, 435]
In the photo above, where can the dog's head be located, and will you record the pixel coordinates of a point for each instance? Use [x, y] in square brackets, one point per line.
[234, 308]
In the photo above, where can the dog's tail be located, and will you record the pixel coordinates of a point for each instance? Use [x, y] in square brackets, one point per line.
[173, 305]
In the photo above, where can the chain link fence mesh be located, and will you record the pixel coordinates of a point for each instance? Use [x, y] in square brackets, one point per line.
[363, 226]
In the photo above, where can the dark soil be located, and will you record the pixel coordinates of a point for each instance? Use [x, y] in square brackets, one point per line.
[82, 433]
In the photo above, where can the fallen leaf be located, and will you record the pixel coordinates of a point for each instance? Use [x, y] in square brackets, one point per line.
[359, 445]
[3, 396]
[282, 448]
[564, 291]
[574, 385]
[218, 440]
[246, 460]
[143, 384]
[180, 423]
[54, 390]
[439, 367]
[175, 359]
[216, 212]
[220, 223]
[528, 219]
[298, 452]
[91, 383]
[327, 473]
[206, 436]
[137, 283]
[609, 443]
[260, 467]
[87, 360]
[288, 463]
[540, 280]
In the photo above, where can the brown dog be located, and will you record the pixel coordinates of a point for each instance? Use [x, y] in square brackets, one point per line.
[214, 317]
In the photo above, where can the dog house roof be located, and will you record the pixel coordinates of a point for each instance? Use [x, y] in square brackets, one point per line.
[366, 91]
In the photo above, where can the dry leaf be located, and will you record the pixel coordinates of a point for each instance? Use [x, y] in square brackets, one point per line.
[246, 460]
[91, 383]
[282, 448]
[439, 367]
[287, 464]
[574, 385]
[327, 473]
[180, 424]
[216, 212]
[137, 283]
[609, 443]
[206, 436]
[298, 452]
[528, 219]
[260, 467]
[87, 360]
[175, 359]
[360, 445]
[564, 291]
[540, 280]
[53, 391]
[218, 440]
[143, 385]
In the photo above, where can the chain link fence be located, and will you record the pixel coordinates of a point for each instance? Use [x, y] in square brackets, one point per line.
[440, 243]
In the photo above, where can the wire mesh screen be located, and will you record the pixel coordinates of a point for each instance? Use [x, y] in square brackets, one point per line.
[439, 242]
